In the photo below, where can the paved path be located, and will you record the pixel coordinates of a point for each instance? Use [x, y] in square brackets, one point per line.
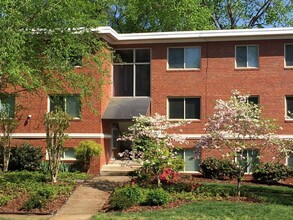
[86, 200]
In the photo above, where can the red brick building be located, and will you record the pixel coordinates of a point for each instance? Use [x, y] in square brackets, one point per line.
[178, 74]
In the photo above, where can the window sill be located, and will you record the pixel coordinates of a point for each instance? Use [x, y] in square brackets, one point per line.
[75, 119]
[184, 70]
[246, 68]
[288, 68]
[179, 119]
[289, 120]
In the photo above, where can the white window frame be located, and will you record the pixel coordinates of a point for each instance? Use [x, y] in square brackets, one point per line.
[286, 109]
[63, 156]
[236, 159]
[184, 68]
[184, 108]
[49, 101]
[287, 160]
[134, 71]
[247, 45]
[285, 64]
[188, 171]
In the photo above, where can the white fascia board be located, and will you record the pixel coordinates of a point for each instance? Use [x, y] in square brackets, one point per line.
[71, 135]
[113, 37]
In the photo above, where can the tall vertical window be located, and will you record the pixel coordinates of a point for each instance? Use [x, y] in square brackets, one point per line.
[251, 159]
[290, 160]
[289, 55]
[184, 108]
[191, 163]
[184, 58]
[67, 103]
[131, 75]
[7, 104]
[246, 56]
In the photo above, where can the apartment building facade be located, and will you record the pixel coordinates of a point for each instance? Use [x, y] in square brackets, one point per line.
[180, 75]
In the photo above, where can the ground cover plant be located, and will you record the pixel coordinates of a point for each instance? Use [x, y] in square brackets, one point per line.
[26, 191]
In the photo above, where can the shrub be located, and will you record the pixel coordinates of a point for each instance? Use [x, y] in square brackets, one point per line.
[157, 197]
[218, 168]
[85, 151]
[126, 196]
[270, 173]
[34, 202]
[25, 157]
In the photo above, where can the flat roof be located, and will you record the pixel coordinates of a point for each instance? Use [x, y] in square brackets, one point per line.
[113, 37]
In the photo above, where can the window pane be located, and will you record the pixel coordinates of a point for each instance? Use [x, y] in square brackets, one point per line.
[191, 163]
[7, 103]
[123, 56]
[176, 58]
[57, 102]
[142, 55]
[252, 56]
[289, 55]
[241, 56]
[290, 160]
[176, 108]
[192, 108]
[192, 57]
[289, 101]
[73, 106]
[253, 99]
[123, 80]
[69, 154]
[142, 80]
[252, 159]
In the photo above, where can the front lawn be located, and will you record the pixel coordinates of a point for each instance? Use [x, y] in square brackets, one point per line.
[267, 202]
[33, 192]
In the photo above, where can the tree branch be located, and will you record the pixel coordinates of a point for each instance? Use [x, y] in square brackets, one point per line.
[259, 13]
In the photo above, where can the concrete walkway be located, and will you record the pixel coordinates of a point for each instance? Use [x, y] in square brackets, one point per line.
[88, 199]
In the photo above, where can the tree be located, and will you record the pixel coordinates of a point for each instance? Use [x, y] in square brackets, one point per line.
[232, 14]
[128, 16]
[153, 145]
[235, 127]
[42, 40]
[56, 123]
[7, 127]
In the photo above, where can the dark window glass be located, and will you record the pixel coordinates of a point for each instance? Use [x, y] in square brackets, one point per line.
[241, 56]
[57, 102]
[124, 56]
[142, 55]
[176, 58]
[176, 108]
[289, 101]
[290, 160]
[192, 108]
[123, 80]
[253, 99]
[289, 55]
[7, 104]
[67, 103]
[142, 80]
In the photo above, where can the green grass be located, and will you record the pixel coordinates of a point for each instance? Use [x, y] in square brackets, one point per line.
[277, 203]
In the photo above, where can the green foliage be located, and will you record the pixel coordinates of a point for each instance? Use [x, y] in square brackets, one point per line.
[85, 151]
[25, 157]
[157, 197]
[126, 196]
[215, 168]
[34, 202]
[271, 173]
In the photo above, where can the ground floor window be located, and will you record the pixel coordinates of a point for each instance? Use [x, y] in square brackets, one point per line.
[192, 163]
[68, 154]
[290, 160]
[251, 159]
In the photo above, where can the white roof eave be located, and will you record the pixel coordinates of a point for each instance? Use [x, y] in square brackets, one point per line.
[114, 38]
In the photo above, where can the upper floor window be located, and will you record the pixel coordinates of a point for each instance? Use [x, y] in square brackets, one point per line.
[184, 58]
[184, 108]
[253, 99]
[7, 105]
[289, 55]
[131, 75]
[67, 103]
[247, 56]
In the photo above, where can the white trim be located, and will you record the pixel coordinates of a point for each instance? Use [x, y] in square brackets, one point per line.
[113, 37]
[71, 135]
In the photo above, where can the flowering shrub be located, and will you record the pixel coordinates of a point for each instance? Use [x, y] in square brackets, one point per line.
[169, 176]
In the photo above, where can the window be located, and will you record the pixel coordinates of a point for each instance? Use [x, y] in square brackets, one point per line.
[68, 154]
[184, 58]
[253, 99]
[67, 103]
[289, 55]
[184, 108]
[131, 75]
[251, 159]
[290, 160]
[289, 107]
[191, 162]
[246, 56]
[7, 104]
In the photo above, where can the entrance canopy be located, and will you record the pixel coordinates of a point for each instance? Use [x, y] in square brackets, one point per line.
[126, 108]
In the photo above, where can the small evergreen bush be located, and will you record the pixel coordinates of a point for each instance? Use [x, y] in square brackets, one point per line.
[157, 197]
[25, 157]
[218, 168]
[126, 197]
[270, 173]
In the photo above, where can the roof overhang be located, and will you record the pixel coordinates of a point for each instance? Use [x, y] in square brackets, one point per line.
[114, 38]
[126, 108]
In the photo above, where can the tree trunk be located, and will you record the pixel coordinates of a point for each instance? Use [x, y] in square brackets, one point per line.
[238, 184]
[158, 180]
[6, 157]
